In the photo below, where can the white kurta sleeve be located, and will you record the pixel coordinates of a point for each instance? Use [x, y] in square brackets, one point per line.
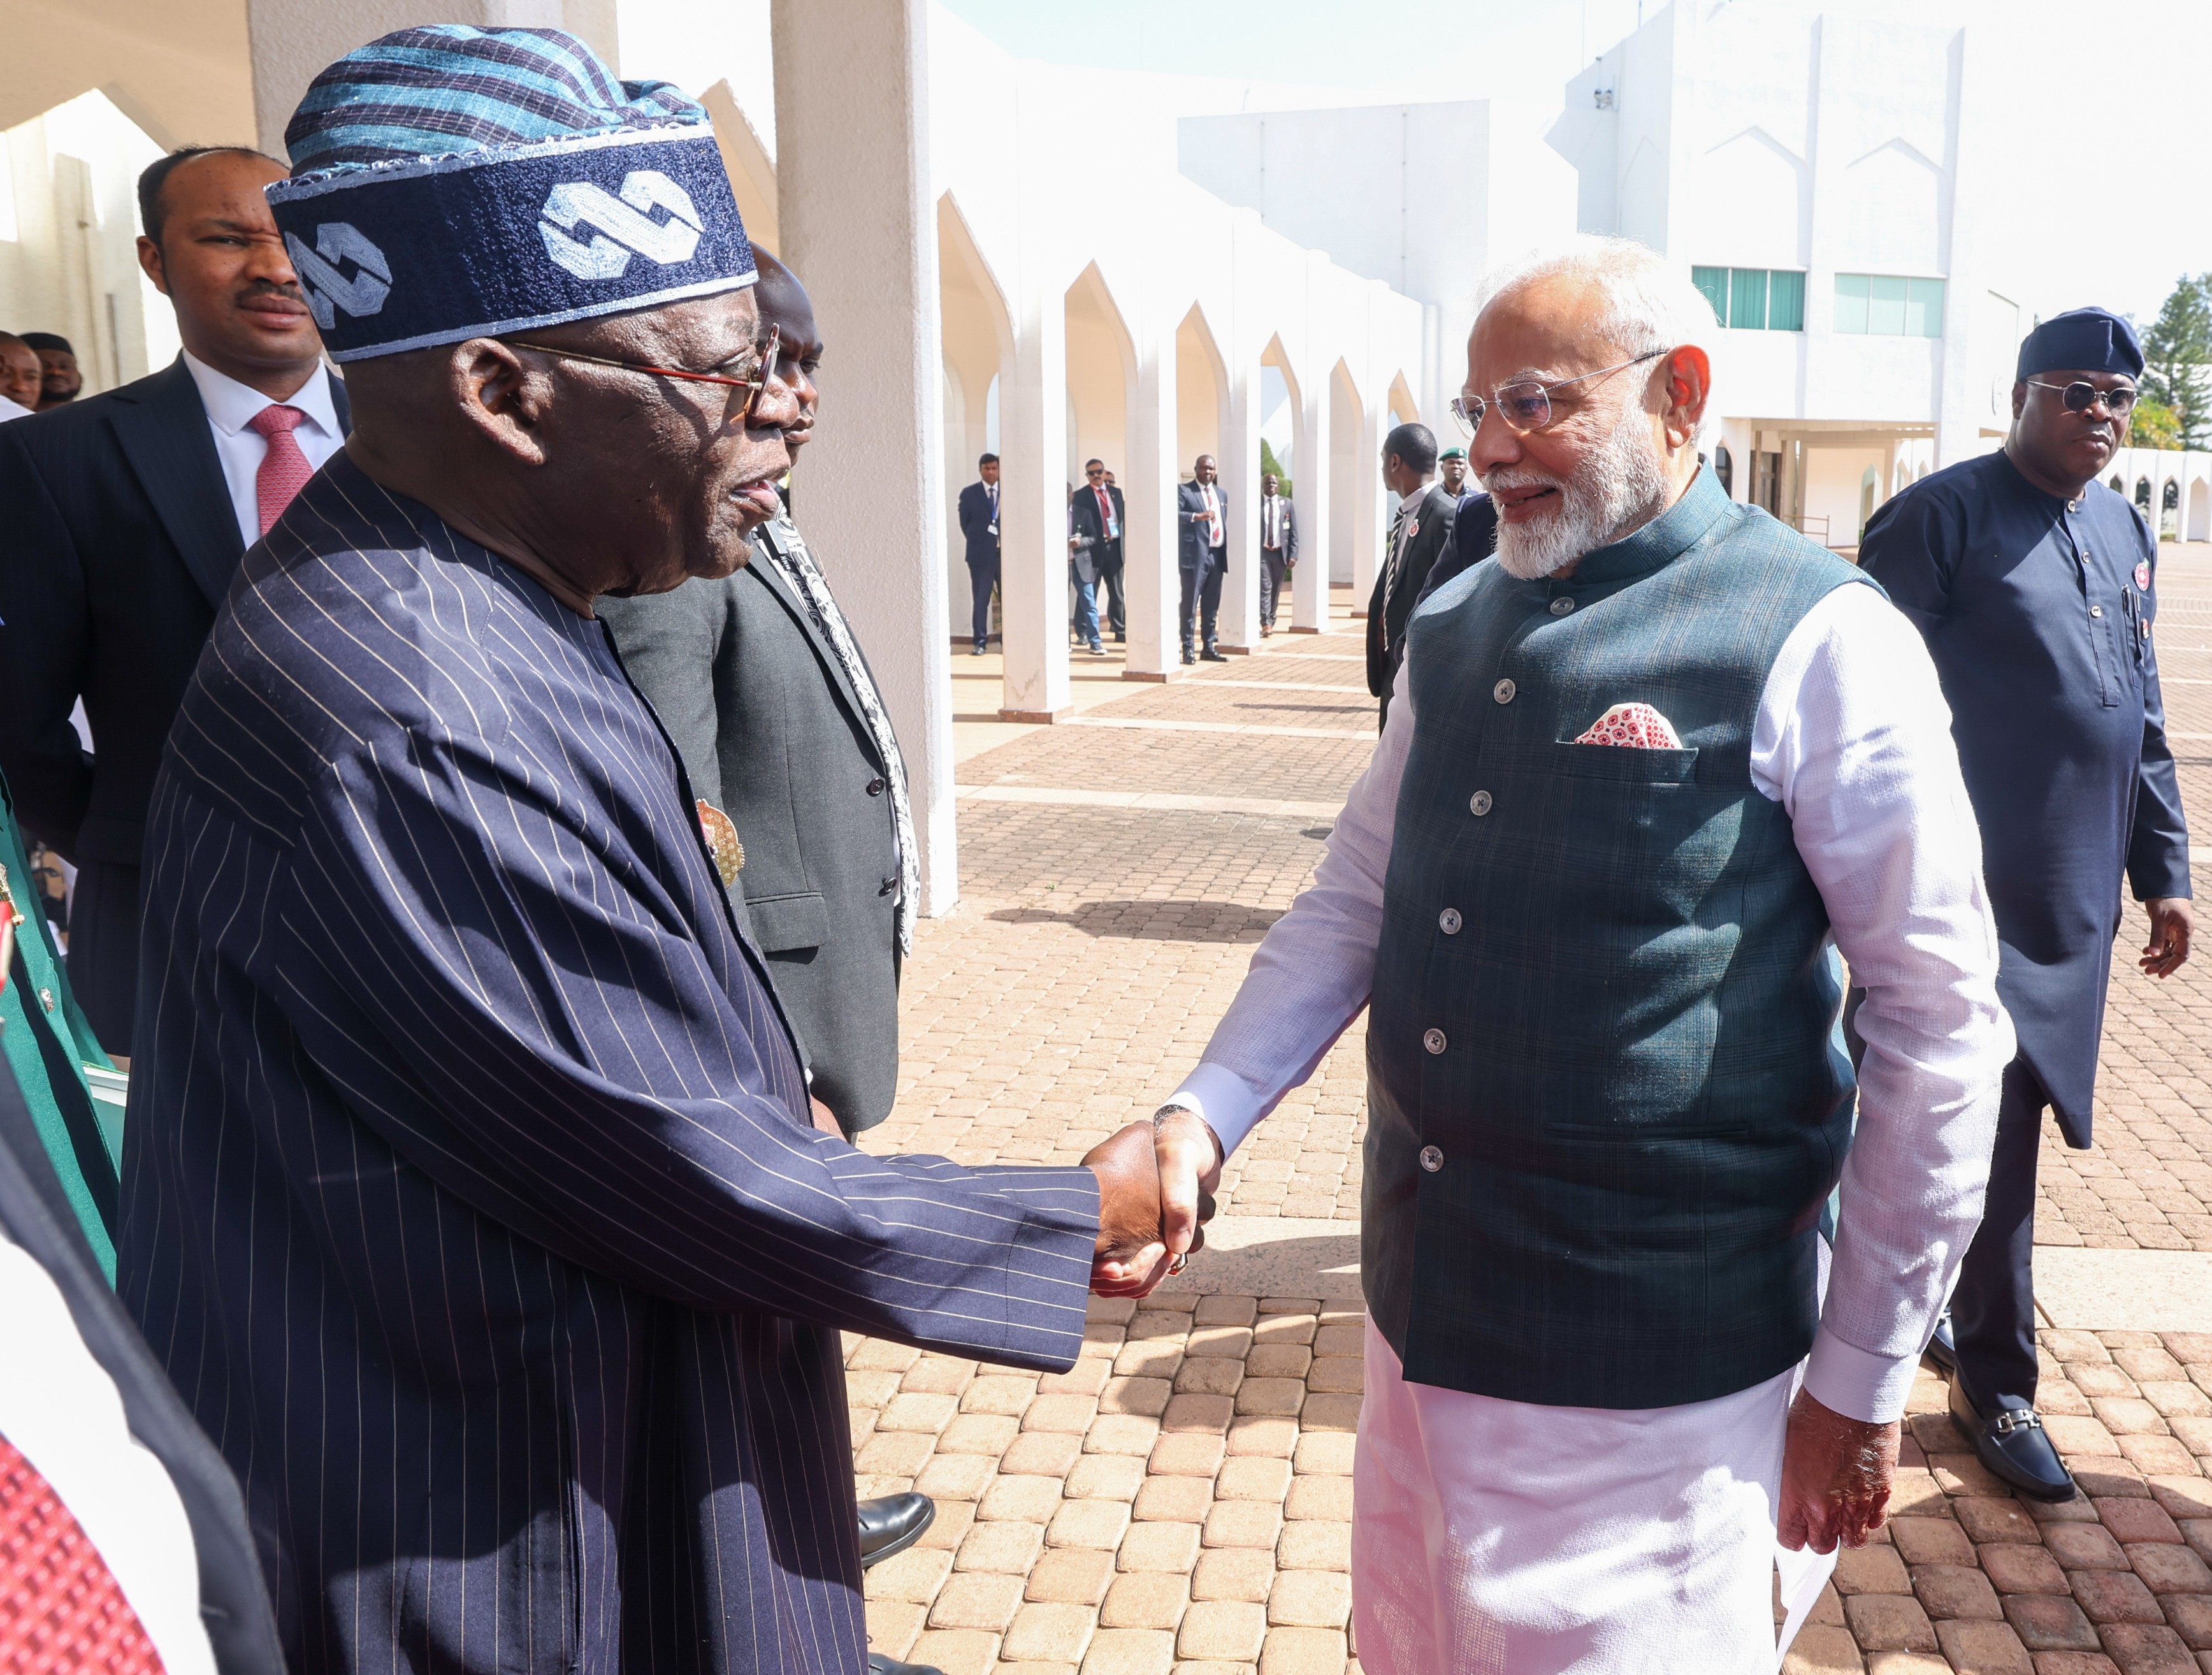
[1312, 974]
[1853, 738]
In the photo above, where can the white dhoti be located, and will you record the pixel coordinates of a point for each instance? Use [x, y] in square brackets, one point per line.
[1496, 1537]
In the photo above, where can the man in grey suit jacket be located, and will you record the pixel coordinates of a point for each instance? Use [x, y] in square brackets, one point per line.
[776, 717]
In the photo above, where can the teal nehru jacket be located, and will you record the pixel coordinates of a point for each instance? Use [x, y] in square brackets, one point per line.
[1604, 972]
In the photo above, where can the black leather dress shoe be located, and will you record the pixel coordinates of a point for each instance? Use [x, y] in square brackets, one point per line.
[892, 1525]
[1189, 657]
[2014, 1445]
[1210, 656]
[880, 1665]
[1940, 1350]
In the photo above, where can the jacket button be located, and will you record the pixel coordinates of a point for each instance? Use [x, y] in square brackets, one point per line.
[1560, 607]
[1434, 1040]
[1479, 803]
[1504, 692]
[1450, 921]
[876, 787]
[46, 999]
[1432, 1157]
[890, 885]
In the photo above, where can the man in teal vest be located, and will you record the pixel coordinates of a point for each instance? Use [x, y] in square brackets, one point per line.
[1642, 778]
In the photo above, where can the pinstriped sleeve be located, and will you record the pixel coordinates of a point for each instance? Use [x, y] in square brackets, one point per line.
[494, 962]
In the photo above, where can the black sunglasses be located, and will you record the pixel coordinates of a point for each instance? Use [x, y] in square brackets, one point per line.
[2081, 396]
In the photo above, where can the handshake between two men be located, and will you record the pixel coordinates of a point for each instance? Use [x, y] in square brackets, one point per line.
[1156, 1182]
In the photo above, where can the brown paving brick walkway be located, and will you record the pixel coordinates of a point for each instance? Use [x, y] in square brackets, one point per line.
[1180, 1502]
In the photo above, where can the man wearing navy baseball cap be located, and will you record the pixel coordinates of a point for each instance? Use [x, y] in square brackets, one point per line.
[2034, 585]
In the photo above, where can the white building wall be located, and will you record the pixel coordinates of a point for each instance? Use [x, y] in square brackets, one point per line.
[69, 231]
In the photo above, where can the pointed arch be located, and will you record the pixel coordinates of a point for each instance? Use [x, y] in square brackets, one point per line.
[1102, 376]
[1400, 402]
[1290, 425]
[975, 335]
[1201, 389]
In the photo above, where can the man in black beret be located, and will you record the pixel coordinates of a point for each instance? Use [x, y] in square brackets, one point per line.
[2033, 583]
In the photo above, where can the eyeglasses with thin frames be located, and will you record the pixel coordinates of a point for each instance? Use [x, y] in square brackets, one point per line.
[763, 369]
[1526, 406]
[2081, 396]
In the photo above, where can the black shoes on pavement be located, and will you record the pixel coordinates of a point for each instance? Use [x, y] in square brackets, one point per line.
[1190, 656]
[880, 1665]
[2014, 1445]
[892, 1525]
[1210, 656]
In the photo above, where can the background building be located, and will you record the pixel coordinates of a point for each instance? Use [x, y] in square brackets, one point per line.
[1053, 262]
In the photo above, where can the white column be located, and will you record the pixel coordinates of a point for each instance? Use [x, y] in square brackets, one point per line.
[1033, 505]
[1239, 462]
[1367, 500]
[1149, 573]
[859, 231]
[1309, 611]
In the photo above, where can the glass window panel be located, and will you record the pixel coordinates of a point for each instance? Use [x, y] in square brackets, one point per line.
[1785, 301]
[1886, 306]
[1923, 307]
[1747, 298]
[1850, 302]
[1714, 282]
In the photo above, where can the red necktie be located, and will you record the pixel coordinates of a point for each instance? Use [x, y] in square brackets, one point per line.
[1105, 515]
[284, 470]
[61, 1610]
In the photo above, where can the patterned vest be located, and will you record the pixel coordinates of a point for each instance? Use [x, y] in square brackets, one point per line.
[1603, 1104]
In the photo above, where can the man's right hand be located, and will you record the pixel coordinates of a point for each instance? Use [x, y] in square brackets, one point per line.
[1189, 1157]
[1130, 1258]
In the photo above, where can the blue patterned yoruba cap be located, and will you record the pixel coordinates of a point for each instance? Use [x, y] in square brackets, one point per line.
[2082, 340]
[450, 182]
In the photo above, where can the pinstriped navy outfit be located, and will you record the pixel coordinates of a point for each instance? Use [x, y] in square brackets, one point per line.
[470, 1195]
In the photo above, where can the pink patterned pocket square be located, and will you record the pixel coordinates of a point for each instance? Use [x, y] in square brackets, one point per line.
[1638, 725]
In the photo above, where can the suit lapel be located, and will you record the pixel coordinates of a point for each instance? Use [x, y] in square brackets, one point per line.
[164, 434]
[770, 575]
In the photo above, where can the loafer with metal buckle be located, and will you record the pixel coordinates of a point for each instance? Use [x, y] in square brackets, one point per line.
[893, 1524]
[2014, 1445]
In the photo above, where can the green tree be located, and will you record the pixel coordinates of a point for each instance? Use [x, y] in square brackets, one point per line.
[2154, 425]
[1269, 463]
[2178, 361]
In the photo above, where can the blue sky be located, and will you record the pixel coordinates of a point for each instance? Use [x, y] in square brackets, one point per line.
[2102, 189]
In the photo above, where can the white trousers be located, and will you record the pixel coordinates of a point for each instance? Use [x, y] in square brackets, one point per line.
[1496, 1537]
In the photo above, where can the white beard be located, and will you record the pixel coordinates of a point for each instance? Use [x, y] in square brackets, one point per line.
[1616, 488]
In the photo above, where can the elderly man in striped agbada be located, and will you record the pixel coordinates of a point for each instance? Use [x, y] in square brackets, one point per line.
[471, 1195]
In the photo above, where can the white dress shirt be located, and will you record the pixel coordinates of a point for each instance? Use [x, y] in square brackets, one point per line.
[231, 406]
[1853, 738]
[63, 1415]
[12, 409]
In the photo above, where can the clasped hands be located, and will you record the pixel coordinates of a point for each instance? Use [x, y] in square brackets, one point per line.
[1156, 1183]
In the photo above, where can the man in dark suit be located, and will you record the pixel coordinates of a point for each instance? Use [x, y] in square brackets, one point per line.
[1279, 546]
[784, 732]
[1474, 538]
[2034, 586]
[1202, 557]
[166, 1529]
[128, 513]
[1420, 524]
[1095, 521]
[979, 526]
